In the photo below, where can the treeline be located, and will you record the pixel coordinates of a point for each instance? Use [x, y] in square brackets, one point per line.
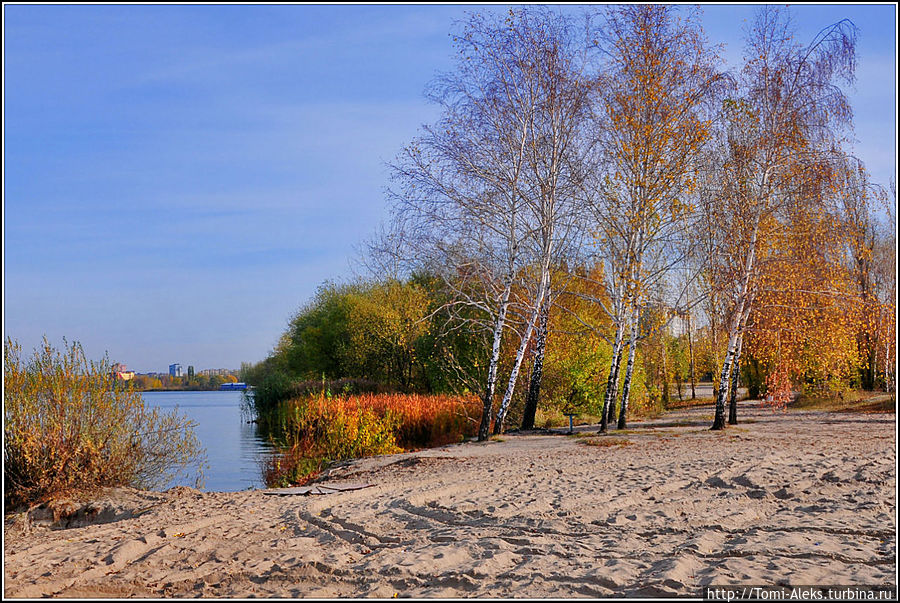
[384, 336]
[599, 192]
[196, 382]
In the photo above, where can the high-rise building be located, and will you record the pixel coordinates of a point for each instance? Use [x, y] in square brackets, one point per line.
[175, 370]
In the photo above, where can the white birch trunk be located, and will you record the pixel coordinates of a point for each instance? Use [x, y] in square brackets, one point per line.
[534, 388]
[735, 374]
[725, 375]
[609, 399]
[520, 353]
[691, 351]
[488, 397]
[734, 332]
[629, 369]
[888, 369]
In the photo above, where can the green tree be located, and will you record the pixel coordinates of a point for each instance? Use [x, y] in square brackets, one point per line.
[375, 330]
[386, 320]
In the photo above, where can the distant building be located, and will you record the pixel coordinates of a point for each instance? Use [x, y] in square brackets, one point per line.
[220, 372]
[678, 326]
[120, 372]
[175, 370]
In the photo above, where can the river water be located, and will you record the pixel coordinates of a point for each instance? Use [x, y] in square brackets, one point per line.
[234, 448]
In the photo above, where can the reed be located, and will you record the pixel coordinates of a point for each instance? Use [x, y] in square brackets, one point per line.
[318, 429]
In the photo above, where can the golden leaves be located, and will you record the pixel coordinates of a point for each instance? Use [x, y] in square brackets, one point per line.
[70, 428]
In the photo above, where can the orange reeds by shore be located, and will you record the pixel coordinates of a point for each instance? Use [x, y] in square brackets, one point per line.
[319, 429]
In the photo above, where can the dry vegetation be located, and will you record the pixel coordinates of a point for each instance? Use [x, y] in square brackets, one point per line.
[69, 430]
[319, 429]
[852, 401]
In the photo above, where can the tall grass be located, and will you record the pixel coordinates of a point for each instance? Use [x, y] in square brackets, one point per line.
[276, 388]
[315, 430]
[68, 429]
[846, 401]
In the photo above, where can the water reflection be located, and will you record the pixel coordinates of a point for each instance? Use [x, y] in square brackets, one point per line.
[235, 448]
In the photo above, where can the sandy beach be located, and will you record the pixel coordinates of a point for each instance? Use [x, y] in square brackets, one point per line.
[799, 498]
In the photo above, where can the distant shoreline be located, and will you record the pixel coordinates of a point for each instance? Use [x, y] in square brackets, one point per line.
[155, 390]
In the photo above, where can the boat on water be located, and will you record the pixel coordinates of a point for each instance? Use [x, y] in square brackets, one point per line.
[232, 386]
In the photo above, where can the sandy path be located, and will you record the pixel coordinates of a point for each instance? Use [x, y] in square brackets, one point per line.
[804, 498]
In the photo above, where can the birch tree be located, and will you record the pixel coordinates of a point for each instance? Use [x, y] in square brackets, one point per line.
[537, 367]
[552, 66]
[653, 116]
[885, 268]
[788, 111]
[477, 195]
[859, 201]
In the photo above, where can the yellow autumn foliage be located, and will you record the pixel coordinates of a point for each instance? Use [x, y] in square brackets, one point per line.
[70, 429]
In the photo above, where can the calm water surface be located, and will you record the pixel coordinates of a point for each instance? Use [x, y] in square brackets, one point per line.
[234, 448]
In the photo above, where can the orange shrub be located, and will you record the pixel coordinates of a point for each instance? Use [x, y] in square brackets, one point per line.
[319, 429]
[424, 421]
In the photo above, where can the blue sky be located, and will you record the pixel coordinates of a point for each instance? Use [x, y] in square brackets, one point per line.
[178, 180]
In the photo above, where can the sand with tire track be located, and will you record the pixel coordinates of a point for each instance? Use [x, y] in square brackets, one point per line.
[798, 498]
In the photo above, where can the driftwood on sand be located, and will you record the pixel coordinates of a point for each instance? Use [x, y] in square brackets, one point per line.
[317, 489]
